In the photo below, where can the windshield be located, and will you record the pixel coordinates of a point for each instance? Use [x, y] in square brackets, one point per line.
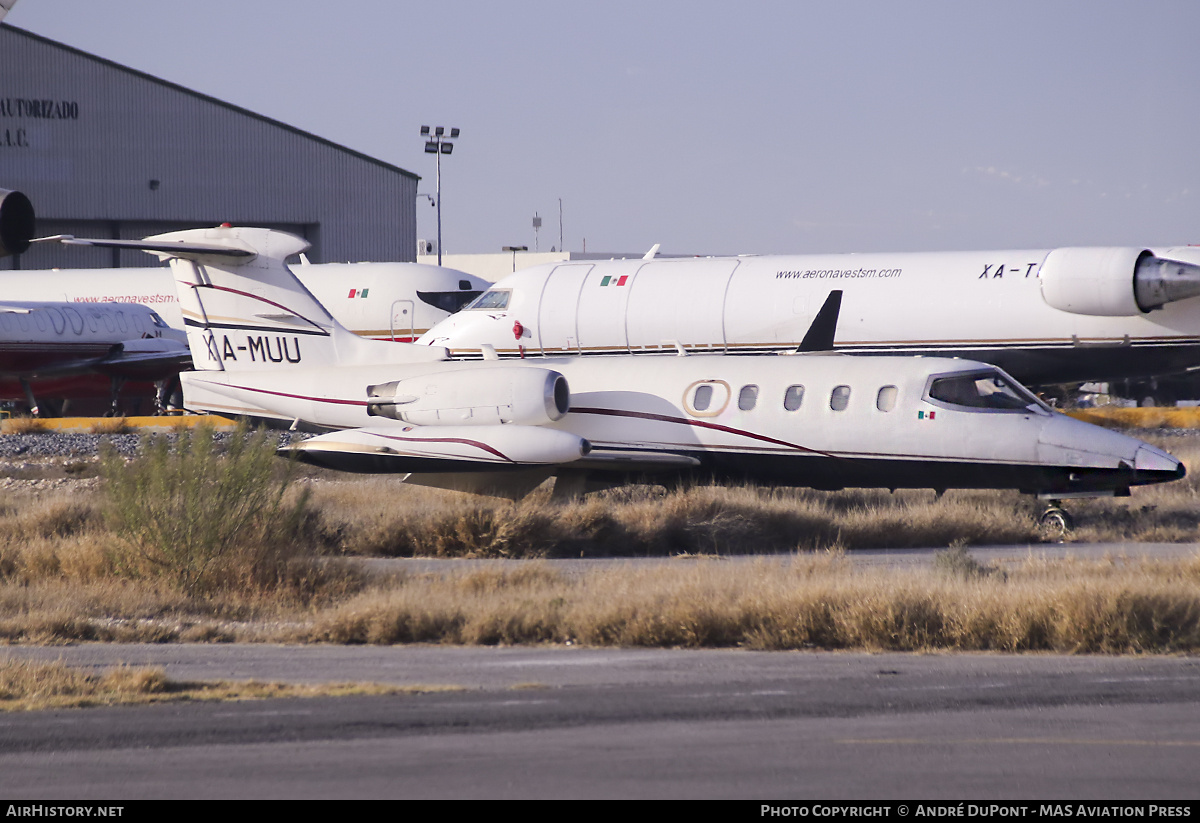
[492, 300]
[988, 390]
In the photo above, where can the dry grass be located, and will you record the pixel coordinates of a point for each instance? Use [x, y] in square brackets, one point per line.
[810, 602]
[1134, 418]
[23, 425]
[63, 580]
[385, 518]
[111, 425]
[31, 686]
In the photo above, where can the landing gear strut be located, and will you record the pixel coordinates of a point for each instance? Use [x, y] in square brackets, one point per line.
[33, 404]
[1056, 520]
[115, 386]
[167, 396]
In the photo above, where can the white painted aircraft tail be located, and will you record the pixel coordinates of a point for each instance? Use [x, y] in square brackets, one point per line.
[244, 310]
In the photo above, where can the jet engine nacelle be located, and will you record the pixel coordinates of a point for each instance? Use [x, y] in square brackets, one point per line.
[1115, 281]
[526, 396]
[16, 222]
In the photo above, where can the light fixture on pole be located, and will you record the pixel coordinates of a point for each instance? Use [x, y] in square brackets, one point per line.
[514, 250]
[438, 143]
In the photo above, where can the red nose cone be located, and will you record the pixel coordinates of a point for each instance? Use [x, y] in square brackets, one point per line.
[227, 225]
[518, 330]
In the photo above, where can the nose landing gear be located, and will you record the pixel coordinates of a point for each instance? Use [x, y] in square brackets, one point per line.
[1055, 520]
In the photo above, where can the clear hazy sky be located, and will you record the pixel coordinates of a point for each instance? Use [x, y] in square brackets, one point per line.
[719, 127]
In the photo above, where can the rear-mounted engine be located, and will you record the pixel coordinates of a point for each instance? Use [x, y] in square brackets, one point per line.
[1115, 281]
[522, 395]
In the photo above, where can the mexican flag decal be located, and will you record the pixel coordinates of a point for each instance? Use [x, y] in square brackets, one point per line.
[924, 415]
[612, 280]
[358, 293]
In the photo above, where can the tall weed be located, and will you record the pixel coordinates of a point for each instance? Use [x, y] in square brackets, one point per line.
[203, 517]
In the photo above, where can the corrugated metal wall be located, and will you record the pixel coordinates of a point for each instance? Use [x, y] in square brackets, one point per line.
[103, 150]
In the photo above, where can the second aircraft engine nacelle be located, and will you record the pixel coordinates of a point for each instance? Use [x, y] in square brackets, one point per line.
[1115, 281]
[525, 396]
[16, 222]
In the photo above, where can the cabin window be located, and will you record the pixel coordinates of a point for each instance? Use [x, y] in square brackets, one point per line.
[707, 398]
[492, 300]
[748, 398]
[885, 401]
[793, 397]
[40, 319]
[984, 391]
[839, 398]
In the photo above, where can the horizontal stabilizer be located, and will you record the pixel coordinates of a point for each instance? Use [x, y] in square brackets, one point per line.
[225, 249]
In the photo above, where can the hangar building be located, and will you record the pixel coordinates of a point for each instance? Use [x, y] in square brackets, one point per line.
[103, 150]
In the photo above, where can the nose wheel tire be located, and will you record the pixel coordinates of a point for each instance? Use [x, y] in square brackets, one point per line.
[1056, 522]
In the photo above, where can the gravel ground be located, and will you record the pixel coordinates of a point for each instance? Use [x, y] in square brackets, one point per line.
[78, 444]
[57, 460]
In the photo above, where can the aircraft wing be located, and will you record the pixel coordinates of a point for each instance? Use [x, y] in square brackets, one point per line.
[5, 5]
[635, 460]
[145, 359]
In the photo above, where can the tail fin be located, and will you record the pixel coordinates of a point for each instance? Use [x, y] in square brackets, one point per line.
[244, 309]
[824, 326]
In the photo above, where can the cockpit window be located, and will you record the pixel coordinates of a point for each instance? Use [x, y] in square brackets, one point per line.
[990, 391]
[158, 321]
[449, 301]
[492, 300]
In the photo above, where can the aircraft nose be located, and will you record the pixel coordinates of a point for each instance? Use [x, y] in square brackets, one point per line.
[1153, 460]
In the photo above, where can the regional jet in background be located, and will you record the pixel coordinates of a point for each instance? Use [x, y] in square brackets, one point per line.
[1045, 316]
[265, 348]
[57, 349]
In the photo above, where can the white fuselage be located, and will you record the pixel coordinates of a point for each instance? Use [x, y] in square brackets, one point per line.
[382, 301]
[985, 305]
[889, 433]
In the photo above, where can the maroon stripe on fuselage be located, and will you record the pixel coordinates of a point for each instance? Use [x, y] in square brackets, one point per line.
[683, 421]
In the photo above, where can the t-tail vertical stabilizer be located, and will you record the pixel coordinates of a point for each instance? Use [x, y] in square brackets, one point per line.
[244, 310]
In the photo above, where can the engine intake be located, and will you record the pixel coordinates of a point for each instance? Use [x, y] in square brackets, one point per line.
[522, 395]
[1115, 281]
[16, 222]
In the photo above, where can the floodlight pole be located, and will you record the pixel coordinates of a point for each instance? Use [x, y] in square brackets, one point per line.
[437, 143]
[439, 202]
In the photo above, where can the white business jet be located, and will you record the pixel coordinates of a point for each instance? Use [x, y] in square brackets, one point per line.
[263, 347]
[1045, 316]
